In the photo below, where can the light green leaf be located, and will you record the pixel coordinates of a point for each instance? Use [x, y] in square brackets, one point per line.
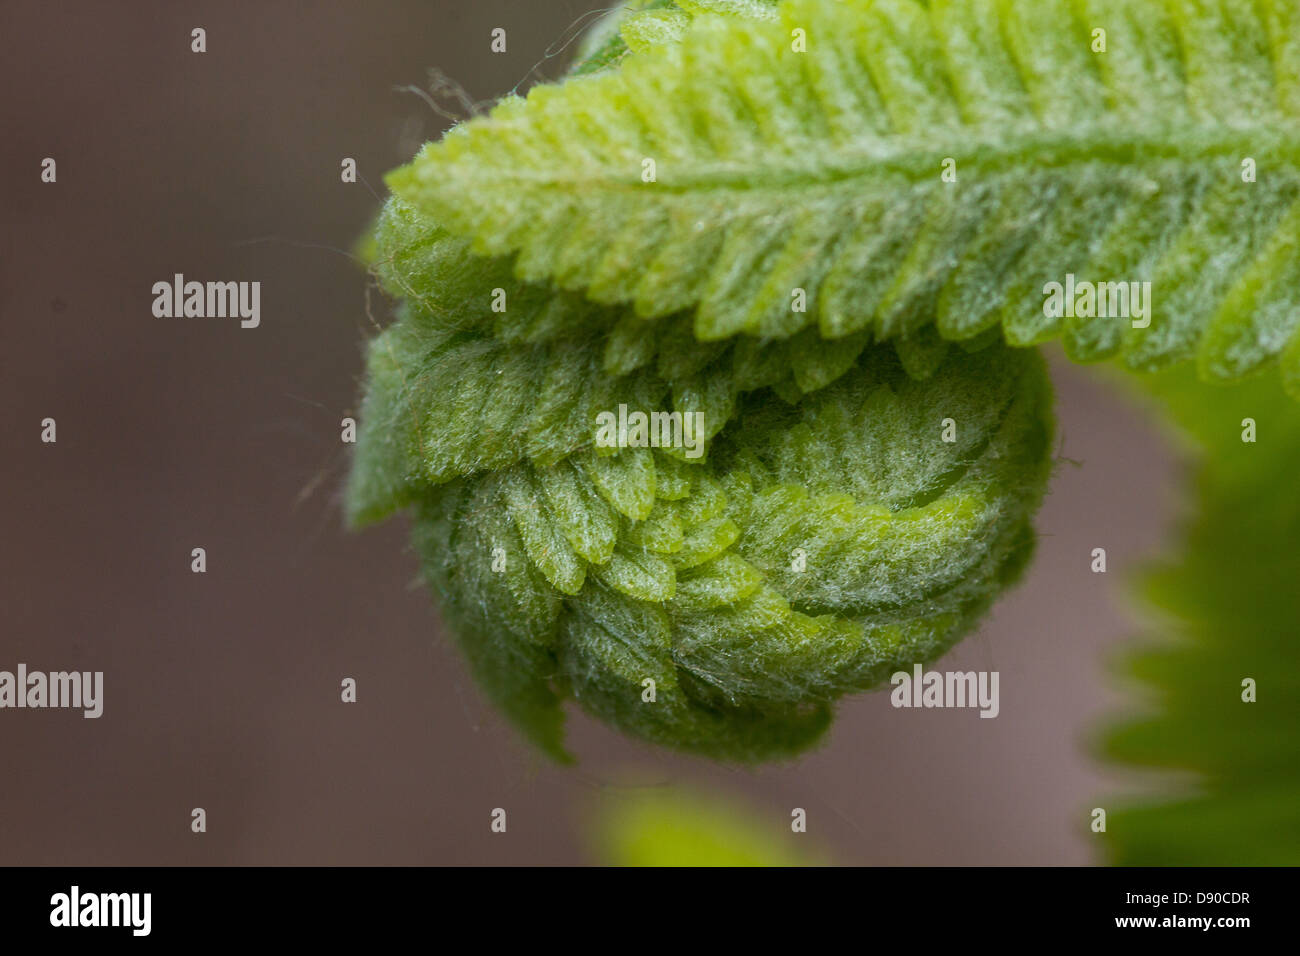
[640, 574]
[651, 29]
[755, 9]
[777, 170]
[543, 541]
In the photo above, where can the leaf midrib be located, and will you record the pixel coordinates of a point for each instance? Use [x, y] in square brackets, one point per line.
[1033, 156]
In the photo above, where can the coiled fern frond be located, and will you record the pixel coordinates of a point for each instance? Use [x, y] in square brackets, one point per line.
[737, 210]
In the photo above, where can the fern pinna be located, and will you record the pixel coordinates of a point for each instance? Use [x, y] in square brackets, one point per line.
[824, 227]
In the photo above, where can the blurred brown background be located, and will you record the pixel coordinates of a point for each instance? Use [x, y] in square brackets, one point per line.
[222, 689]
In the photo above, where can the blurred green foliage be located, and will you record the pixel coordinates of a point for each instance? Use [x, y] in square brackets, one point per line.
[1230, 598]
[673, 827]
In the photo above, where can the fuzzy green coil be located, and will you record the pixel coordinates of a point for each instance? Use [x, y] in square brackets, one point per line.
[861, 500]
[829, 537]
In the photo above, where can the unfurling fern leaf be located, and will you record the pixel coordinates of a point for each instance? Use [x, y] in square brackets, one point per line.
[776, 169]
[826, 538]
[806, 558]
[795, 272]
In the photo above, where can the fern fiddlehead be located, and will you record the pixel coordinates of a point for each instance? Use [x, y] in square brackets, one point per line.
[827, 535]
